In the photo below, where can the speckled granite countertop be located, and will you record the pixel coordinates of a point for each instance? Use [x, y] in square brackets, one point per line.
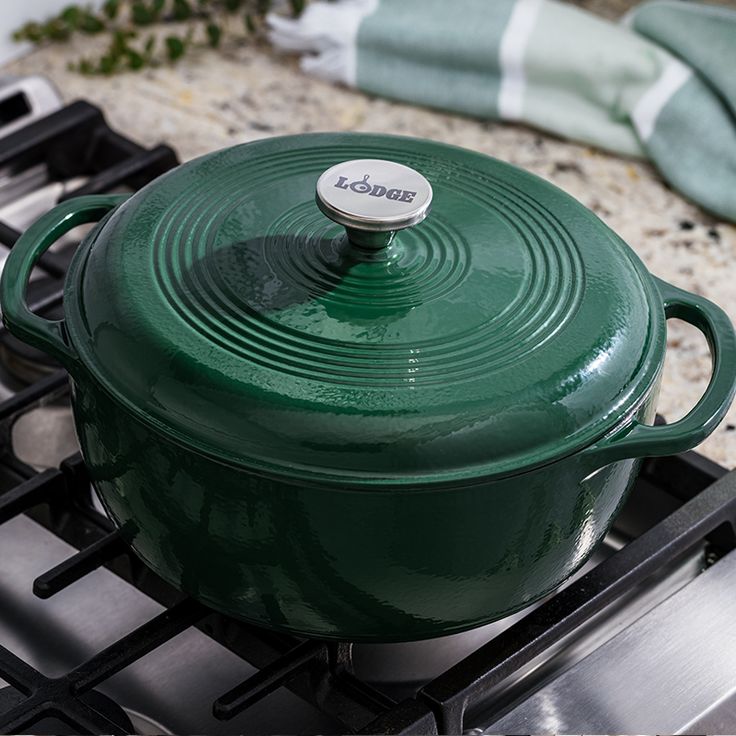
[244, 92]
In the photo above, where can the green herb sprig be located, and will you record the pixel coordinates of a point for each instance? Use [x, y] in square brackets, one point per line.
[147, 33]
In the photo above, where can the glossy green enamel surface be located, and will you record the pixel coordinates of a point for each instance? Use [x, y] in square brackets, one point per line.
[356, 565]
[509, 328]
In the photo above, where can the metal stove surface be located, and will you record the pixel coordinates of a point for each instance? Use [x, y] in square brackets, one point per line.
[671, 671]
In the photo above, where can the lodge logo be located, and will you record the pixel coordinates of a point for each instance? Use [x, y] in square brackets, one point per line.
[361, 186]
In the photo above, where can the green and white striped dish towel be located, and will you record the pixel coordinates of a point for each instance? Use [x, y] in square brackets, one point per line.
[661, 85]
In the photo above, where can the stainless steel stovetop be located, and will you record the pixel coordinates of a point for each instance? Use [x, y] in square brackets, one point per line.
[655, 656]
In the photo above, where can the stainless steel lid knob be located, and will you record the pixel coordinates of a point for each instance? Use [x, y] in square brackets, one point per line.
[373, 199]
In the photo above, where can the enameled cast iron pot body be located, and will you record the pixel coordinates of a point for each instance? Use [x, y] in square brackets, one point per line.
[361, 437]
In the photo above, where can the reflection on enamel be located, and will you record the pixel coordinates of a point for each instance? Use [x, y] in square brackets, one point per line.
[592, 475]
[413, 365]
[586, 539]
[598, 362]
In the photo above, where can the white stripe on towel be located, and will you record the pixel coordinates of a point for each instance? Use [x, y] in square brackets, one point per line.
[511, 55]
[647, 109]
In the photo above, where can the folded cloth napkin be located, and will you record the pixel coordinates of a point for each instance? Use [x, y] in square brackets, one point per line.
[660, 85]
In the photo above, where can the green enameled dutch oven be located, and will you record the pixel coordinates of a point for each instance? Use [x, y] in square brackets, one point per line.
[401, 408]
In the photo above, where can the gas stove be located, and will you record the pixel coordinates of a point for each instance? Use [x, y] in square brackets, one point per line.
[640, 640]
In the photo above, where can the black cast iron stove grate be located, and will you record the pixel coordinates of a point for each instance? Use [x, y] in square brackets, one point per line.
[320, 672]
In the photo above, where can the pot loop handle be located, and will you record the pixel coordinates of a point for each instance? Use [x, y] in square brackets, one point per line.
[649, 441]
[47, 335]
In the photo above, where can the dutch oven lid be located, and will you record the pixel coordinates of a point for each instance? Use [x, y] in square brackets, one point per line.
[503, 326]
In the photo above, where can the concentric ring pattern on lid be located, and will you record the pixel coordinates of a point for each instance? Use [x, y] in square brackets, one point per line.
[509, 327]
